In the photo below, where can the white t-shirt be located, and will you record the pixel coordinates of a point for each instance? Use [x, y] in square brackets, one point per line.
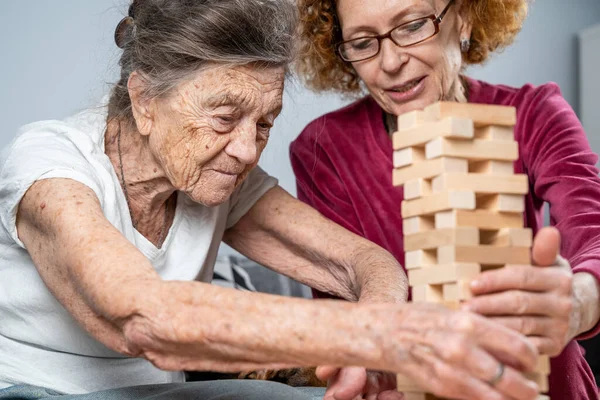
[40, 343]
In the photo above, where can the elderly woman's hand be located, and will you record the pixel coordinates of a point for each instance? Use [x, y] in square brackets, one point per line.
[452, 354]
[536, 300]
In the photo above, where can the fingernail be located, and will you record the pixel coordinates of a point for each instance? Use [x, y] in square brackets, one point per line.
[476, 284]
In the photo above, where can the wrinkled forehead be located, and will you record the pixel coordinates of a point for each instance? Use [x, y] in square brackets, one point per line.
[251, 85]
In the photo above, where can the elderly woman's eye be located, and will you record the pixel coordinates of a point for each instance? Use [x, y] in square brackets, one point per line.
[265, 125]
[226, 119]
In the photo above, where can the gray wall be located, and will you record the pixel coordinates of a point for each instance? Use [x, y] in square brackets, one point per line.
[59, 57]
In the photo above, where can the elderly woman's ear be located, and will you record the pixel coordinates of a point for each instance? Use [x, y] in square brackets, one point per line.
[141, 106]
[465, 26]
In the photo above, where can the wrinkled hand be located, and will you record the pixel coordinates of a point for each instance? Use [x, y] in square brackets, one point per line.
[355, 383]
[454, 354]
[536, 300]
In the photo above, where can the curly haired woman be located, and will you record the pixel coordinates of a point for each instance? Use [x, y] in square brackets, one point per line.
[408, 54]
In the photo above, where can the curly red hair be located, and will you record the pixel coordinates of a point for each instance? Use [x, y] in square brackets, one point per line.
[495, 26]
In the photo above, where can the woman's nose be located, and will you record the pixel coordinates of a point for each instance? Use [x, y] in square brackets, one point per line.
[391, 56]
[243, 145]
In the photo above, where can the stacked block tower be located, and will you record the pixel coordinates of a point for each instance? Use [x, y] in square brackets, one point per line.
[463, 204]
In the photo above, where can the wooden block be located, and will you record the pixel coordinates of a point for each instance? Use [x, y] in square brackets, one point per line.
[417, 188]
[418, 224]
[540, 379]
[492, 167]
[427, 294]
[495, 133]
[479, 183]
[509, 237]
[443, 201]
[457, 291]
[419, 135]
[481, 114]
[543, 397]
[509, 203]
[441, 237]
[410, 120]
[440, 274]
[406, 384]
[543, 365]
[482, 219]
[475, 149]
[429, 169]
[484, 255]
[408, 156]
[420, 258]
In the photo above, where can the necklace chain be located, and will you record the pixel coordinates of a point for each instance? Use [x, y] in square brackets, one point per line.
[163, 230]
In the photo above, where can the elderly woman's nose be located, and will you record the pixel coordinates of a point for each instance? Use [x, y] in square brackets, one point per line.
[391, 56]
[243, 145]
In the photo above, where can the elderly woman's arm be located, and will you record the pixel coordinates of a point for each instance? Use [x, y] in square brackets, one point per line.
[292, 238]
[113, 292]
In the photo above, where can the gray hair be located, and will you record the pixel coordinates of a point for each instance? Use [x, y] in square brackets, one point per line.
[168, 40]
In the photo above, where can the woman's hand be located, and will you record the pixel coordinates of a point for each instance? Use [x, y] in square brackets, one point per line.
[537, 300]
[353, 383]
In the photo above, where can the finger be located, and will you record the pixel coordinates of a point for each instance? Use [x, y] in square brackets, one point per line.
[512, 277]
[528, 326]
[349, 383]
[546, 345]
[326, 372]
[390, 395]
[514, 385]
[546, 246]
[516, 302]
[504, 344]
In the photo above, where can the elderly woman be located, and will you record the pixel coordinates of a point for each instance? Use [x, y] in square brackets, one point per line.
[111, 221]
[408, 54]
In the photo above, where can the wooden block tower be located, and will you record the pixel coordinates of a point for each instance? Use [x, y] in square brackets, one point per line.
[463, 204]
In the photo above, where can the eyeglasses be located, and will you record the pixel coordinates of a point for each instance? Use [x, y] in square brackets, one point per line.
[405, 35]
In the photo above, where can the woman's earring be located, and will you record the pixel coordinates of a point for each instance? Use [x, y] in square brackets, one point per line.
[465, 45]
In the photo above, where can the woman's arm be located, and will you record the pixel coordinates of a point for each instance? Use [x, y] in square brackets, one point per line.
[292, 238]
[113, 292]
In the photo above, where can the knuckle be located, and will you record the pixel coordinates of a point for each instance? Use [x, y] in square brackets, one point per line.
[565, 282]
[522, 303]
[456, 348]
[464, 323]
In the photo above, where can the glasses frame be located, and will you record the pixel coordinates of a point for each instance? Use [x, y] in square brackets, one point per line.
[437, 20]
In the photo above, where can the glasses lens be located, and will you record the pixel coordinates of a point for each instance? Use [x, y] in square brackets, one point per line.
[359, 49]
[414, 32]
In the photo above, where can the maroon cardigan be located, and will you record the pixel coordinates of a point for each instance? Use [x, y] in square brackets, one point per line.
[343, 167]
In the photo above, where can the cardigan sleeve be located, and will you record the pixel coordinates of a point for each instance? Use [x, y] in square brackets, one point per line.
[562, 169]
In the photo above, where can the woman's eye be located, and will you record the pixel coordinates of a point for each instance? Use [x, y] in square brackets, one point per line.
[265, 125]
[226, 119]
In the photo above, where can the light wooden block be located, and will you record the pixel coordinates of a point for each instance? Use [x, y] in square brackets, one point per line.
[457, 291]
[508, 203]
[419, 135]
[482, 219]
[495, 133]
[508, 237]
[459, 199]
[408, 156]
[428, 169]
[410, 120]
[420, 258]
[543, 365]
[540, 379]
[427, 294]
[417, 188]
[492, 167]
[475, 149]
[441, 237]
[440, 274]
[481, 114]
[406, 384]
[484, 255]
[478, 183]
[543, 397]
[418, 224]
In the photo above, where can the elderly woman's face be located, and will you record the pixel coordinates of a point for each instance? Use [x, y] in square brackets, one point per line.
[409, 78]
[211, 131]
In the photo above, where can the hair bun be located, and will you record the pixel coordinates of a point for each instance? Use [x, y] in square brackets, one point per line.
[123, 32]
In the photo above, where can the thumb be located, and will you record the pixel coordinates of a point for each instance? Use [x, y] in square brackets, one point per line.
[546, 246]
[326, 372]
